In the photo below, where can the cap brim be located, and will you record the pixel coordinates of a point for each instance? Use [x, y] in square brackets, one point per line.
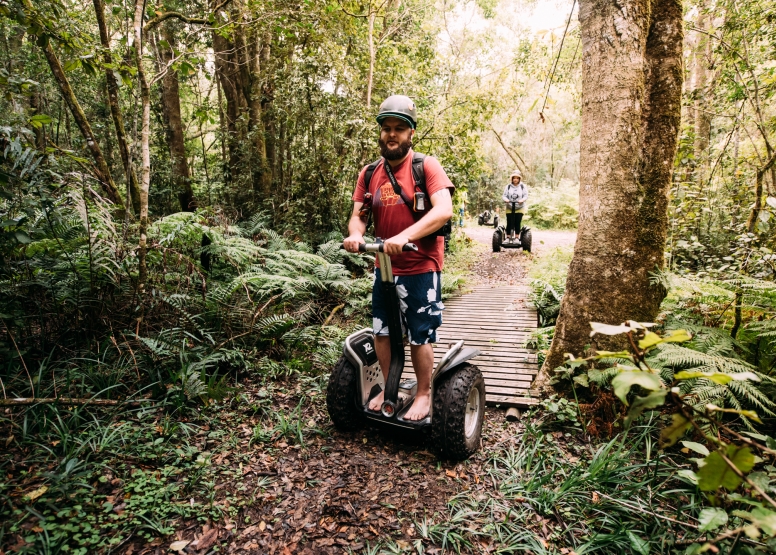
[382, 117]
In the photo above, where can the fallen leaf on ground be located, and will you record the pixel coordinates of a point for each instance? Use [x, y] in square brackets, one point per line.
[179, 546]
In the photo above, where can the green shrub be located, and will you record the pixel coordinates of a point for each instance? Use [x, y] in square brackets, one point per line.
[554, 208]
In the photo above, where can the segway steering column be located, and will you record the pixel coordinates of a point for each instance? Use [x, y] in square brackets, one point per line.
[391, 397]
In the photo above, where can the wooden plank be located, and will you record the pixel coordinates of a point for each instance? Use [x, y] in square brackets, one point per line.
[503, 315]
[509, 401]
[496, 374]
[497, 320]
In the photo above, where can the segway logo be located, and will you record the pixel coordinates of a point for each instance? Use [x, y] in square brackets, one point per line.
[367, 348]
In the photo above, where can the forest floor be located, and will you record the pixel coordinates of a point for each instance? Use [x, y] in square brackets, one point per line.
[265, 472]
[349, 492]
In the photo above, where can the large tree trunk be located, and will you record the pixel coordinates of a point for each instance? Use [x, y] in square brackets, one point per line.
[631, 102]
[115, 109]
[171, 108]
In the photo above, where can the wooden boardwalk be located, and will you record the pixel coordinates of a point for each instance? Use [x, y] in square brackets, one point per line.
[497, 320]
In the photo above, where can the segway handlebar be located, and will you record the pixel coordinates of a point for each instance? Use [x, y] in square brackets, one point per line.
[378, 247]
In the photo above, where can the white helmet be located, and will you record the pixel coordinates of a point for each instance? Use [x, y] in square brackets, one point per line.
[516, 173]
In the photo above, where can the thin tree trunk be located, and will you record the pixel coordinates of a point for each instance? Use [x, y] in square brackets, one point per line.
[512, 153]
[171, 109]
[631, 106]
[115, 107]
[758, 194]
[247, 47]
[702, 86]
[371, 43]
[228, 74]
[145, 152]
[737, 313]
[40, 132]
[101, 170]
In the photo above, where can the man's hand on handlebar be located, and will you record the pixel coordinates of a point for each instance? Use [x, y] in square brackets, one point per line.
[395, 244]
[351, 243]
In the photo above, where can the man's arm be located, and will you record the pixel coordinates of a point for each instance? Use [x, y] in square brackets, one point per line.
[356, 229]
[441, 211]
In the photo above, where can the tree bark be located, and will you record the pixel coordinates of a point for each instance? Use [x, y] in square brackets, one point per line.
[115, 108]
[145, 151]
[631, 105]
[228, 74]
[171, 108]
[247, 47]
[701, 89]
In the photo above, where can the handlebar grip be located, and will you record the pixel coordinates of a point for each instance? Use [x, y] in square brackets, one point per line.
[378, 247]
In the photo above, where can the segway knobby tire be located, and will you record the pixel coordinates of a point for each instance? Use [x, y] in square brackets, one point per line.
[480, 220]
[341, 397]
[496, 241]
[460, 392]
[525, 240]
[495, 221]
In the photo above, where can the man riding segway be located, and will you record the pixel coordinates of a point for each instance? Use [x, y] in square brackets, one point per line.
[410, 196]
[405, 212]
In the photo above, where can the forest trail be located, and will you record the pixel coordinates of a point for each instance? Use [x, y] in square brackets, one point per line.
[498, 320]
[348, 491]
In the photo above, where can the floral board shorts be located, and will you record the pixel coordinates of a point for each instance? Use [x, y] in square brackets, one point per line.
[420, 300]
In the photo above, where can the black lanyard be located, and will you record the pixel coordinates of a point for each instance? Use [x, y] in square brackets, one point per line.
[392, 178]
[395, 184]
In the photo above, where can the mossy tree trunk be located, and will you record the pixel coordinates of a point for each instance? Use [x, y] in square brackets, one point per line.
[173, 122]
[631, 102]
[115, 108]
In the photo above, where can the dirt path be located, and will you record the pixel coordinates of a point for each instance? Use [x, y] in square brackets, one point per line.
[509, 266]
[335, 493]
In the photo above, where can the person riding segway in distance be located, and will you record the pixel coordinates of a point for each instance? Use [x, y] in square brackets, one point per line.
[515, 196]
[411, 198]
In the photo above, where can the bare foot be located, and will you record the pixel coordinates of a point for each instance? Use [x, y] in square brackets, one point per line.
[376, 403]
[419, 408]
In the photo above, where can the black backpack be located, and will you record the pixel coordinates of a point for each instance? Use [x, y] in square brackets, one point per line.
[419, 175]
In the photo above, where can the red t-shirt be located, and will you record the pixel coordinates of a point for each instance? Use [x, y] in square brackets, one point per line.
[392, 216]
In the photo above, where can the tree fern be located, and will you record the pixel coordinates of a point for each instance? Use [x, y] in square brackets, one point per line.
[671, 358]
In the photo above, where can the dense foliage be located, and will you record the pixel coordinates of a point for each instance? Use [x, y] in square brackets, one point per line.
[127, 340]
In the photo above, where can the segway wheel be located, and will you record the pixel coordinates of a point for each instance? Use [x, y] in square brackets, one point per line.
[525, 239]
[341, 397]
[495, 221]
[497, 241]
[459, 410]
[480, 221]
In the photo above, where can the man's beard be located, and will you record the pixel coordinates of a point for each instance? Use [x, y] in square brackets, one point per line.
[394, 153]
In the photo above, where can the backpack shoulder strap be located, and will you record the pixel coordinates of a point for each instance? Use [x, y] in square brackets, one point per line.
[418, 172]
[370, 170]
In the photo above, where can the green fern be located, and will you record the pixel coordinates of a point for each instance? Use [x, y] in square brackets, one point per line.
[670, 358]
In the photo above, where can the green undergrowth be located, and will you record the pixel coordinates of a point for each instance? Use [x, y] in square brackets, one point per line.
[88, 480]
[554, 207]
[547, 275]
[459, 260]
[555, 491]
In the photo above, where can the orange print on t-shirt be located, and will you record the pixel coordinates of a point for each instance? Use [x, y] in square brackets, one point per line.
[388, 196]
